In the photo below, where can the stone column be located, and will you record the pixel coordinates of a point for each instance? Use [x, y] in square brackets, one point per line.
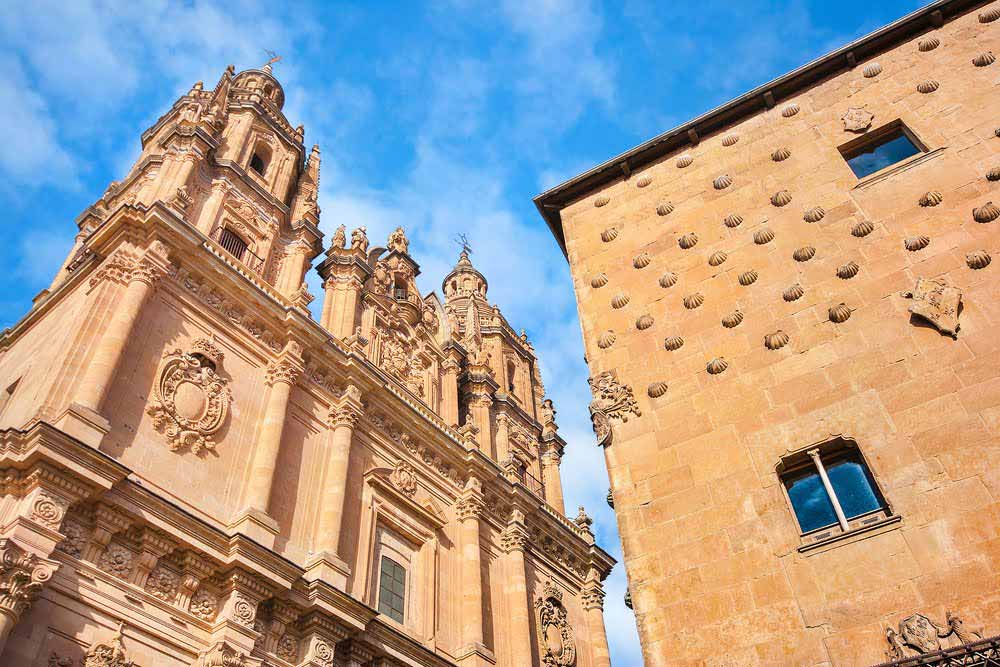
[22, 575]
[514, 541]
[838, 510]
[210, 210]
[449, 391]
[111, 345]
[469, 510]
[551, 479]
[344, 416]
[593, 606]
[503, 438]
[479, 408]
[281, 375]
[340, 303]
[293, 268]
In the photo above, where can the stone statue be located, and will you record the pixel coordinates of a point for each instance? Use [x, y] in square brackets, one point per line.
[359, 239]
[398, 241]
[339, 238]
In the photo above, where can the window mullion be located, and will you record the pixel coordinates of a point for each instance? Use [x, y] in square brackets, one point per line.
[841, 518]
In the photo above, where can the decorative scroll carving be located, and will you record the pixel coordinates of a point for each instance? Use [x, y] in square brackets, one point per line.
[612, 402]
[857, 119]
[190, 400]
[918, 634]
[556, 641]
[404, 478]
[108, 654]
[938, 303]
[22, 575]
[223, 655]
[49, 510]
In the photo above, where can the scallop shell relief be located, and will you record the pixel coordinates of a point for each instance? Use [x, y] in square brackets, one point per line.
[641, 261]
[666, 208]
[988, 212]
[733, 220]
[781, 198]
[815, 214]
[644, 322]
[804, 254]
[984, 59]
[606, 340]
[722, 182]
[762, 236]
[620, 300]
[790, 110]
[862, 229]
[776, 340]
[688, 241]
[730, 140]
[609, 234]
[839, 314]
[656, 389]
[872, 70]
[928, 44]
[692, 301]
[781, 154]
[684, 161]
[747, 278]
[932, 198]
[733, 319]
[928, 86]
[673, 343]
[600, 280]
[668, 279]
[717, 258]
[978, 259]
[601, 200]
[792, 293]
[643, 181]
[717, 365]
[848, 270]
[915, 243]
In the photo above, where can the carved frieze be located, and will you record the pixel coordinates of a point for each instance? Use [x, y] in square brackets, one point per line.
[204, 604]
[108, 654]
[938, 303]
[556, 640]
[918, 634]
[117, 561]
[163, 583]
[424, 453]
[190, 400]
[613, 402]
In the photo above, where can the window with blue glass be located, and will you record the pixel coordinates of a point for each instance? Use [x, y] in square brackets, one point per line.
[830, 488]
[881, 148]
[392, 589]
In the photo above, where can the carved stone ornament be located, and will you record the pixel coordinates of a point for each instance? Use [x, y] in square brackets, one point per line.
[857, 119]
[938, 303]
[918, 634]
[556, 641]
[612, 402]
[108, 654]
[22, 575]
[190, 400]
[404, 478]
[223, 655]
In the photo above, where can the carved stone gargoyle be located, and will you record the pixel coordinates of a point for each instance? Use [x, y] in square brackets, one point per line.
[937, 302]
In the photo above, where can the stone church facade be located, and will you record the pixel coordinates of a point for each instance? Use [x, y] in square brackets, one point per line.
[195, 472]
[790, 313]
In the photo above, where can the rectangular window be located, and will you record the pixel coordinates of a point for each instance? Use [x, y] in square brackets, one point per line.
[232, 243]
[881, 148]
[832, 487]
[391, 589]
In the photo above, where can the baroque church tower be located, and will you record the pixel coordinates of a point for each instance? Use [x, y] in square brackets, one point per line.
[197, 473]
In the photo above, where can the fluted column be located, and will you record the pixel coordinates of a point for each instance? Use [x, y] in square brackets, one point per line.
[344, 416]
[449, 392]
[469, 510]
[281, 375]
[111, 345]
[503, 438]
[551, 479]
[210, 209]
[593, 607]
[293, 268]
[514, 541]
[479, 408]
[340, 304]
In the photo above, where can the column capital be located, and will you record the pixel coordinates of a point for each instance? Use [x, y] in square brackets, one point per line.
[592, 596]
[145, 271]
[348, 409]
[514, 537]
[22, 575]
[813, 454]
[287, 367]
[471, 506]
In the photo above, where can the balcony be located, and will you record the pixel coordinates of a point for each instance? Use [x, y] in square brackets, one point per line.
[232, 243]
[982, 653]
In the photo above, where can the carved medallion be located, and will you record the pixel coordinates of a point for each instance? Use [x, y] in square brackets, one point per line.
[190, 400]
[556, 641]
[938, 303]
[404, 478]
[612, 402]
[857, 119]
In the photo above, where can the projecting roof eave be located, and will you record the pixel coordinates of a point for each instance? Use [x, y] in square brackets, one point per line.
[551, 202]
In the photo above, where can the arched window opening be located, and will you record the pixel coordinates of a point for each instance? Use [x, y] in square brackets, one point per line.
[257, 164]
[233, 243]
[399, 289]
[511, 377]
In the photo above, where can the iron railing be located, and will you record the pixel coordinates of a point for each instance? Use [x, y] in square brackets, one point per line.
[238, 248]
[981, 653]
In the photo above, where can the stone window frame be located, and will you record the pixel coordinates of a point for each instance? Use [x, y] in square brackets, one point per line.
[858, 527]
[925, 152]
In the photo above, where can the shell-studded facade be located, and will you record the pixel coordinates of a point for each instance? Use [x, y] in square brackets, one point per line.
[197, 471]
[851, 325]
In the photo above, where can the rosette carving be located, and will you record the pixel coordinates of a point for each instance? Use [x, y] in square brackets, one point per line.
[556, 640]
[612, 402]
[190, 400]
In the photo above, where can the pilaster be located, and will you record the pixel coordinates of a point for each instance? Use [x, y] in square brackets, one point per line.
[514, 542]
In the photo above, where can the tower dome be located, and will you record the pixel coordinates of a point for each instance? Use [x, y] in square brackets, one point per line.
[263, 82]
[464, 279]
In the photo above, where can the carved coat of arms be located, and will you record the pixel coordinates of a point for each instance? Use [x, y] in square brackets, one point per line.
[557, 643]
[857, 119]
[938, 303]
[918, 634]
[190, 400]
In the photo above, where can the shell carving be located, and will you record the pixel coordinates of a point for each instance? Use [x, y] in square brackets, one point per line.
[733, 220]
[915, 243]
[747, 278]
[600, 280]
[990, 15]
[790, 110]
[932, 198]
[609, 234]
[776, 340]
[692, 301]
[684, 161]
[666, 208]
[781, 198]
[849, 270]
[762, 236]
[928, 86]
[717, 258]
[606, 340]
[730, 140]
[733, 319]
[643, 181]
[815, 214]
[862, 229]
[601, 200]
[688, 241]
[673, 343]
[993, 174]
[641, 261]
[872, 70]
[717, 365]
[984, 59]
[793, 293]
[839, 314]
[656, 389]
[722, 182]
[644, 322]
[781, 154]
[988, 212]
[978, 259]
[620, 300]
[804, 254]
[928, 44]
[668, 279]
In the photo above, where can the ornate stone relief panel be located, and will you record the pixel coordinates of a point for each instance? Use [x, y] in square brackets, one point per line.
[938, 303]
[612, 402]
[918, 634]
[556, 640]
[190, 400]
[381, 422]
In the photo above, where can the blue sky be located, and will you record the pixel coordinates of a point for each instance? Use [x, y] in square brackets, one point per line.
[445, 117]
